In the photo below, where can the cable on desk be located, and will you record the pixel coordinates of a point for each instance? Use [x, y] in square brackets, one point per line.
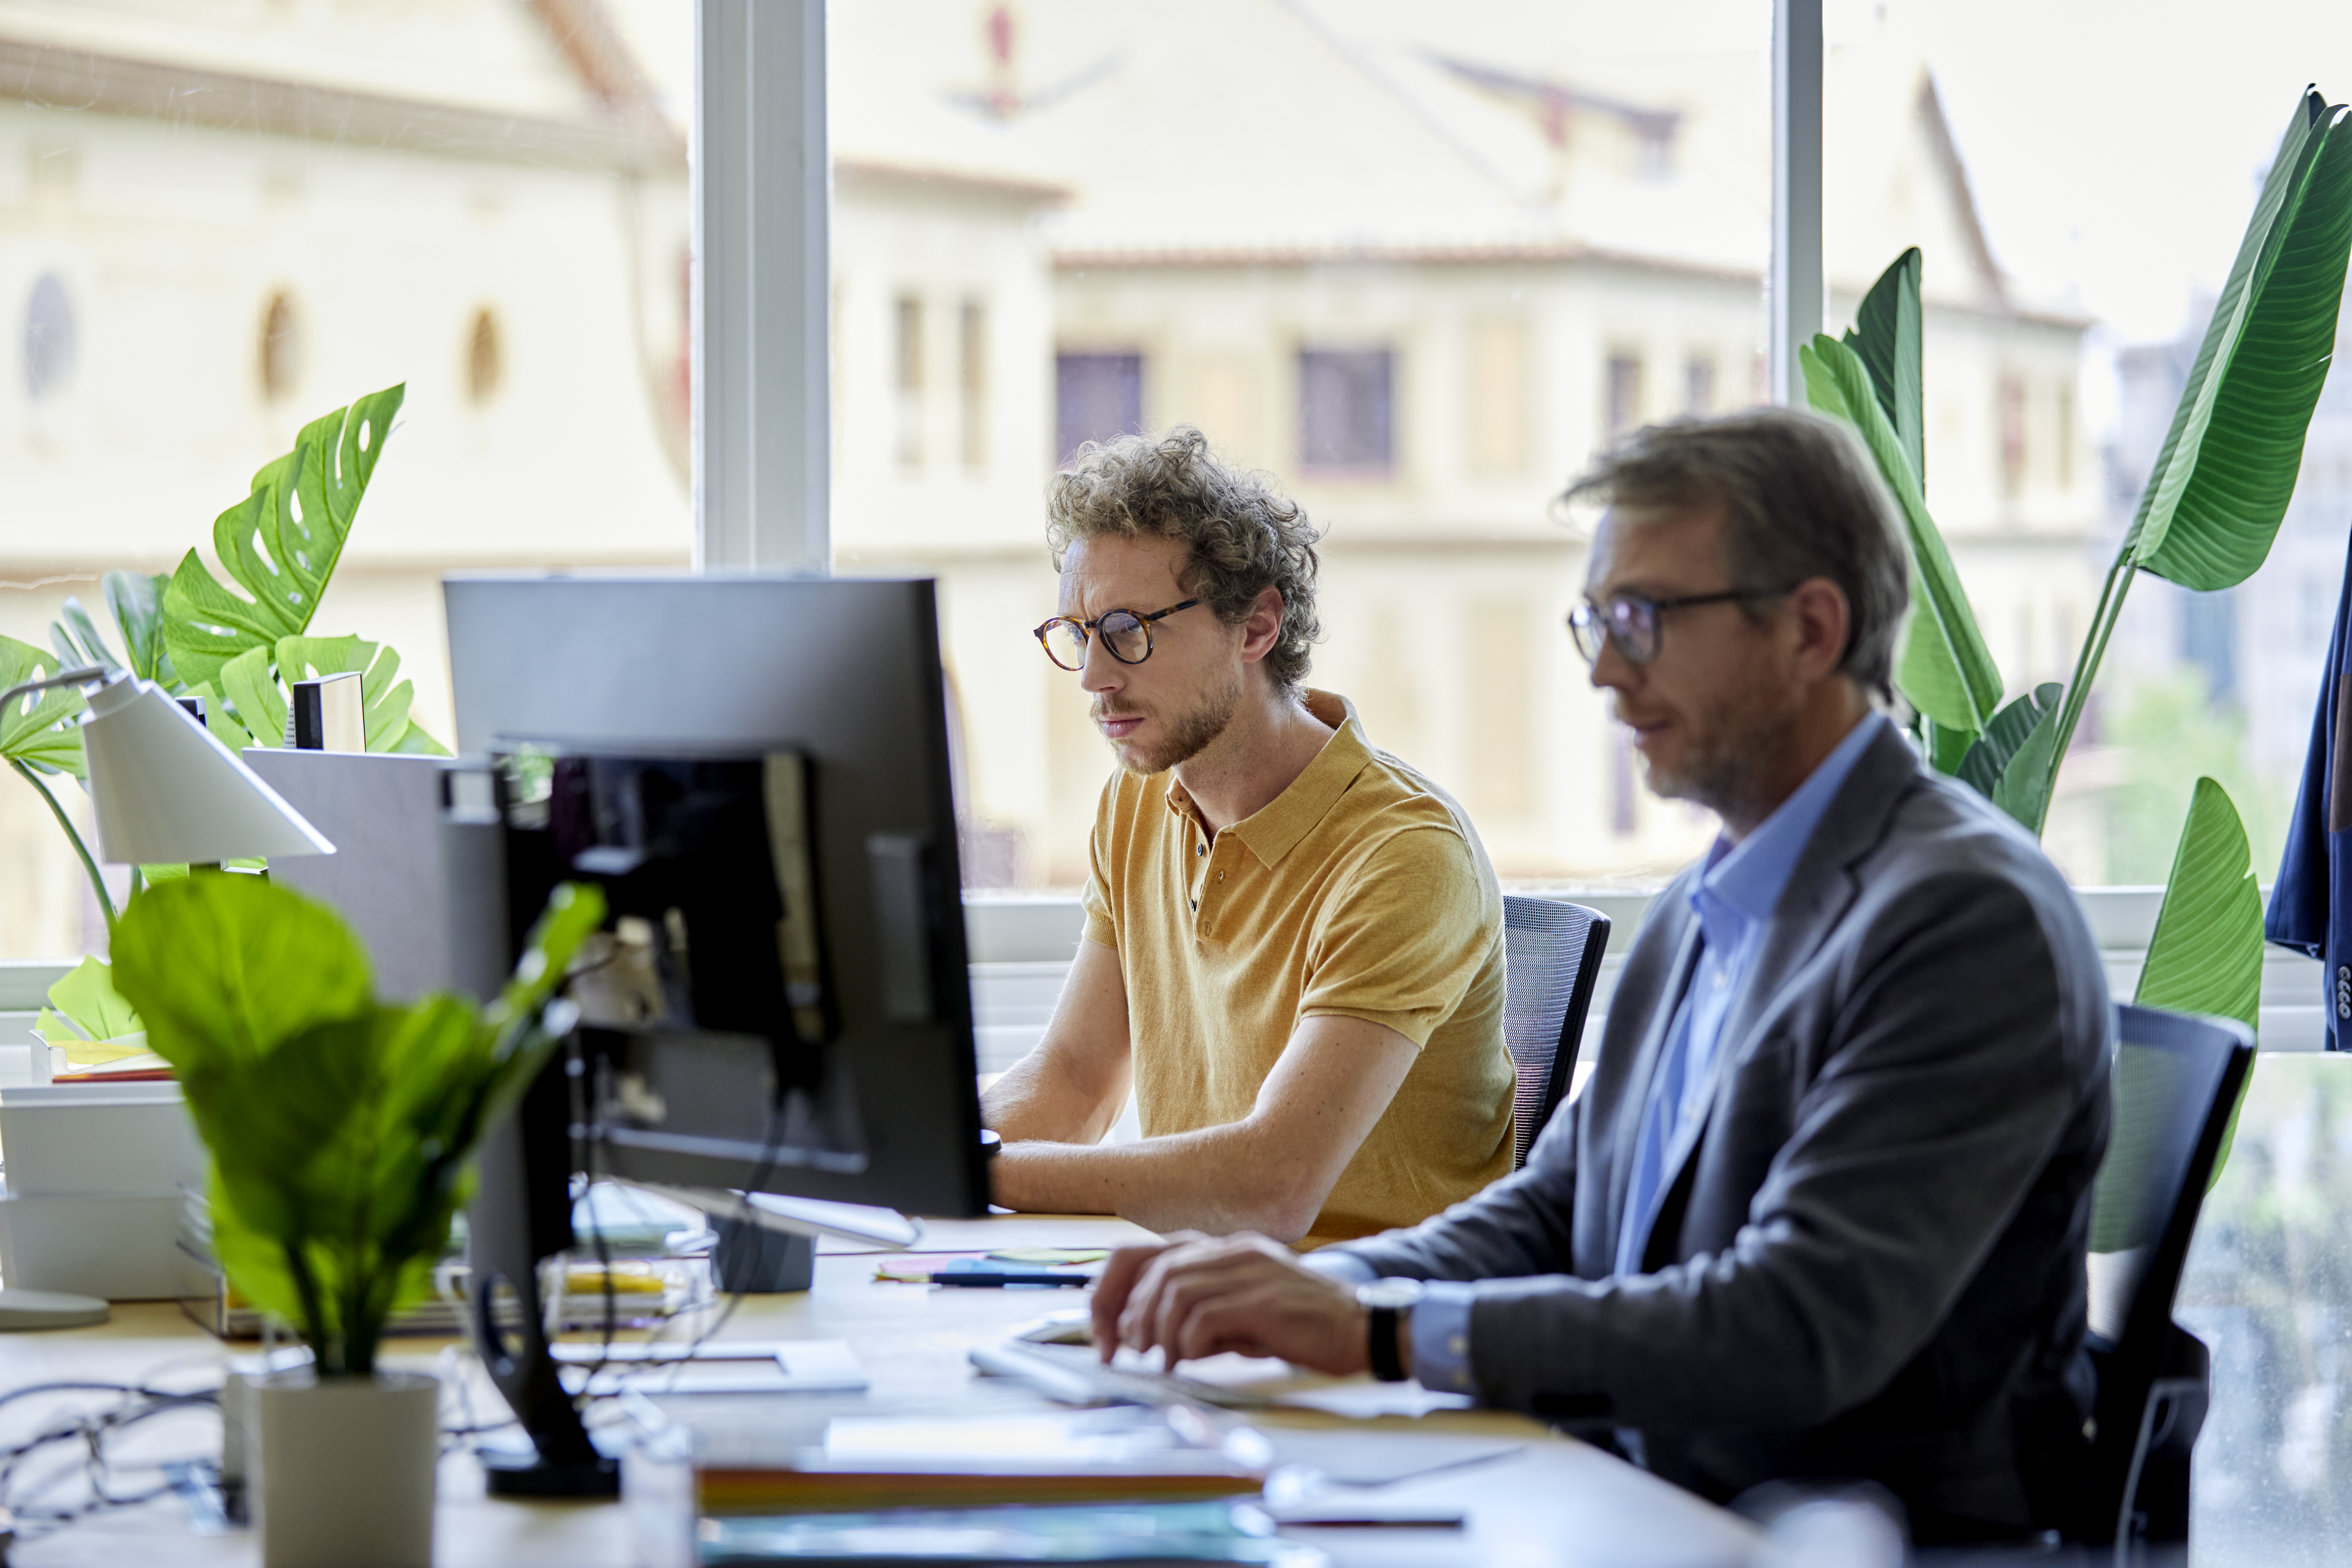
[770, 1156]
[96, 1470]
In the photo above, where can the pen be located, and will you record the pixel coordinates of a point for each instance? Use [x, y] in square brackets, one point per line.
[992, 1277]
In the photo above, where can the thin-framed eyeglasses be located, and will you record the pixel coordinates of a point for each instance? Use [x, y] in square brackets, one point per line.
[1635, 622]
[1126, 634]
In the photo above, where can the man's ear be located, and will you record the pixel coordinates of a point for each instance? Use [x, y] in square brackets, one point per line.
[1824, 623]
[1263, 628]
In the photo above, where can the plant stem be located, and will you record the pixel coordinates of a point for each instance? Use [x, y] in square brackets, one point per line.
[97, 882]
[2086, 666]
[327, 1355]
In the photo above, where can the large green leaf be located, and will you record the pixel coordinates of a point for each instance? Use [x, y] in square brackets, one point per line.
[280, 544]
[2228, 465]
[1885, 336]
[227, 969]
[2011, 763]
[136, 600]
[38, 729]
[77, 640]
[2009, 732]
[2024, 791]
[343, 1132]
[2206, 955]
[1945, 668]
[85, 997]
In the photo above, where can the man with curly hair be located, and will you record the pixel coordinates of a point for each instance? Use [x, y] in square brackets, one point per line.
[1294, 944]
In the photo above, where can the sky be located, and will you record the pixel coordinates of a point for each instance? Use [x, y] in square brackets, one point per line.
[2115, 148]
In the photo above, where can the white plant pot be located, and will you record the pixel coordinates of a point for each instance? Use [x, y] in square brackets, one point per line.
[344, 1473]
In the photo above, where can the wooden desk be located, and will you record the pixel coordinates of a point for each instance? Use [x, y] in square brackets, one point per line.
[1556, 1502]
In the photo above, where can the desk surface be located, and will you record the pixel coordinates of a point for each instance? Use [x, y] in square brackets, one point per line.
[1554, 1502]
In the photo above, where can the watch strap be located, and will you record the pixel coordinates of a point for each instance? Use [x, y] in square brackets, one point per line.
[1388, 1366]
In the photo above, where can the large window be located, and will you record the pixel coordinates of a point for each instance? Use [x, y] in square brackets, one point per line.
[1448, 252]
[219, 222]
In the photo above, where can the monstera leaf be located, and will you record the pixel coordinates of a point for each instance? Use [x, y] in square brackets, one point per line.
[280, 544]
[37, 731]
[2206, 955]
[1945, 669]
[255, 683]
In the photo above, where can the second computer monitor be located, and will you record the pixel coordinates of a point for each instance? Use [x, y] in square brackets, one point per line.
[757, 769]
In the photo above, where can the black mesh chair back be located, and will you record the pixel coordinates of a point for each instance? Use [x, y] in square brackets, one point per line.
[2177, 1080]
[1552, 950]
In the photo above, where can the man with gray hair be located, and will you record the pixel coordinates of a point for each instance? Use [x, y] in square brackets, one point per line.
[1821, 1212]
[1293, 943]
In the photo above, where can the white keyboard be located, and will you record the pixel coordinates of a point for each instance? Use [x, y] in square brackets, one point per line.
[1070, 1374]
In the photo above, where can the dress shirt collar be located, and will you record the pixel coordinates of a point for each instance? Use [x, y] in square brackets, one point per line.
[1743, 882]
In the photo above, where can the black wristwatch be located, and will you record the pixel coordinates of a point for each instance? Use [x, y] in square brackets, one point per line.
[1384, 1300]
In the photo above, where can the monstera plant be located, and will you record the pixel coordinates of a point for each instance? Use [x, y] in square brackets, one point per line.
[2206, 520]
[194, 635]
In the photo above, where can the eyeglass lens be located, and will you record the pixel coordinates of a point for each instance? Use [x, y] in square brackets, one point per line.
[1632, 624]
[1123, 632]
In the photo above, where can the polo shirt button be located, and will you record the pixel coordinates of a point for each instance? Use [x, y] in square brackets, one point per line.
[1199, 850]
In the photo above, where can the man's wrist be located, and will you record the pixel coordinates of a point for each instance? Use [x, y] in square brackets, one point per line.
[1388, 1316]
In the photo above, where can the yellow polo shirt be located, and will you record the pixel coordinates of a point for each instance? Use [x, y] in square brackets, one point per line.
[1361, 890]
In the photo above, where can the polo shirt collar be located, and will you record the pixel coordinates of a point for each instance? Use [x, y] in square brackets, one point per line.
[1274, 829]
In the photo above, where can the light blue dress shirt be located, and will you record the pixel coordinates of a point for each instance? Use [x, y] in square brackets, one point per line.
[1734, 901]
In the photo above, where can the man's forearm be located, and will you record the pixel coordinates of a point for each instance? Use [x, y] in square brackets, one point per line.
[1032, 1100]
[1217, 1179]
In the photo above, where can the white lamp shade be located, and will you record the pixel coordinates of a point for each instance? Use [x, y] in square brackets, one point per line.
[165, 791]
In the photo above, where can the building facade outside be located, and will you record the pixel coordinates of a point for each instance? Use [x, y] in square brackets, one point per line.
[1419, 278]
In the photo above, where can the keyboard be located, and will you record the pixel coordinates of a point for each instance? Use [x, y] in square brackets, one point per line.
[1070, 1374]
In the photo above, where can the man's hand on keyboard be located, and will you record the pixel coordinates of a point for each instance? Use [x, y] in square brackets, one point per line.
[1199, 1296]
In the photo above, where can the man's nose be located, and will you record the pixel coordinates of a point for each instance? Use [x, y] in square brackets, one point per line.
[1611, 670]
[1101, 672]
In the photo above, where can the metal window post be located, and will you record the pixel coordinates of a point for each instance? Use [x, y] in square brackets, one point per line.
[1794, 296]
[762, 190]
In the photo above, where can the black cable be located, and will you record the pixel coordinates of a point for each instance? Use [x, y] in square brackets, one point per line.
[770, 1156]
[94, 1433]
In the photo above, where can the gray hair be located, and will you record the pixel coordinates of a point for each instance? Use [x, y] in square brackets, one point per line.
[1241, 536]
[1802, 498]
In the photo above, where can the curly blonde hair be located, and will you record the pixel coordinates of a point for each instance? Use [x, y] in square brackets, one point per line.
[1241, 536]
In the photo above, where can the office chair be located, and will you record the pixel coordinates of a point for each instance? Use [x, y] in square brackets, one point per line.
[2176, 1082]
[1552, 953]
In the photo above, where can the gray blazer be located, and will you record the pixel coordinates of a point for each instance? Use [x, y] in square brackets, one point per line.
[1869, 1263]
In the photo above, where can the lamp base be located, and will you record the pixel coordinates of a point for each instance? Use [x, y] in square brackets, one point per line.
[27, 1309]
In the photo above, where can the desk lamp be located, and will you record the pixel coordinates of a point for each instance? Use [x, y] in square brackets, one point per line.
[163, 791]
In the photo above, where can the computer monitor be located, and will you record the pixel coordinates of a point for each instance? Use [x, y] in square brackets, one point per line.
[756, 769]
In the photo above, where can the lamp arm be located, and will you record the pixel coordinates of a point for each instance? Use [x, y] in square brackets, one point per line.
[81, 676]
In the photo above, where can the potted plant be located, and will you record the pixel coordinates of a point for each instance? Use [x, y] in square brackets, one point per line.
[2206, 520]
[342, 1132]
